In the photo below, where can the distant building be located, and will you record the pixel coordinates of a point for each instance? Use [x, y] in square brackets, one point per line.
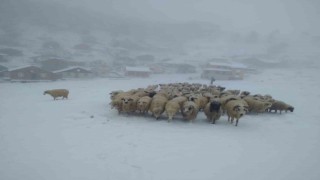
[137, 71]
[74, 72]
[178, 68]
[30, 74]
[54, 64]
[222, 71]
[156, 68]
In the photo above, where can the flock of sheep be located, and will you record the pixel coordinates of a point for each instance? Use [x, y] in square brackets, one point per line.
[189, 99]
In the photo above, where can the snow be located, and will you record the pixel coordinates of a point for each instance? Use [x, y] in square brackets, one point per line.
[21, 67]
[82, 138]
[71, 68]
[138, 69]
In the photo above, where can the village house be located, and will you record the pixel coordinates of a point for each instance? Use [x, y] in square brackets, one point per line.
[54, 64]
[140, 71]
[74, 72]
[222, 71]
[173, 68]
[30, 74]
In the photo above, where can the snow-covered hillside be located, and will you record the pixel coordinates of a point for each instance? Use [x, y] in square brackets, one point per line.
[82, 138]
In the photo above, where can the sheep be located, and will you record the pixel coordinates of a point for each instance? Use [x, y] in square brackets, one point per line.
[256, 105]
[281, 106]
[213, 111]
[117, 100]
[171, 108]
[233, 91]
[190, 110]
[143, 104]
[225, 99]
[157, 105]
[113, 94]
[57, 93]
[200, 100]
[236, 109]
[244, 94]
[129, 103]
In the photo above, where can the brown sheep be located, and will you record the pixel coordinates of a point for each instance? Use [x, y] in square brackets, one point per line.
[57, 93]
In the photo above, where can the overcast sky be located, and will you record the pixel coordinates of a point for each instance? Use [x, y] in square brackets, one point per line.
[264, 16]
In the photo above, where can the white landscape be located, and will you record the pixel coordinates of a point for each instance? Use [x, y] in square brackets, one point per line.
[82, 138]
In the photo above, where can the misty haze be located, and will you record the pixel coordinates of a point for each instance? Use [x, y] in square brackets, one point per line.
[69, 69]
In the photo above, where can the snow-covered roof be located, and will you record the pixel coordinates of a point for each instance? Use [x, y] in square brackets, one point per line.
[231, 65]
[238, 65]
[71, 68]
[216, 69]
[138, 69]
[219, 64]
[22, 67]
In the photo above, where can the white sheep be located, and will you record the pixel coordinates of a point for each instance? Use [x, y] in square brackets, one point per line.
[225, 99]
[281, 106]
[129, 103]
[143, 104]
[200, 100]
[172, 107]
[113, 94]
[235, 110]
[57, 93]
[233, 91]
[213, 111]
[116, 101]
[190, 110]
[256, 105]
[157, 105]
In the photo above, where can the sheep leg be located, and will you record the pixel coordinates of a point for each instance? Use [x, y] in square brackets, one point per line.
[213, 121]
[237, 122]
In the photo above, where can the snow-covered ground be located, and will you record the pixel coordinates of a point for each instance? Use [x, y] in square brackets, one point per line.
[82, 138]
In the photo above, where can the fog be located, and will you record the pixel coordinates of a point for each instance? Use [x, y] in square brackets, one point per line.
[189, 49]
[192, 31]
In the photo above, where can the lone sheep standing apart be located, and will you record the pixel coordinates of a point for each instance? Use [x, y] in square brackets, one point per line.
[57, 93]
